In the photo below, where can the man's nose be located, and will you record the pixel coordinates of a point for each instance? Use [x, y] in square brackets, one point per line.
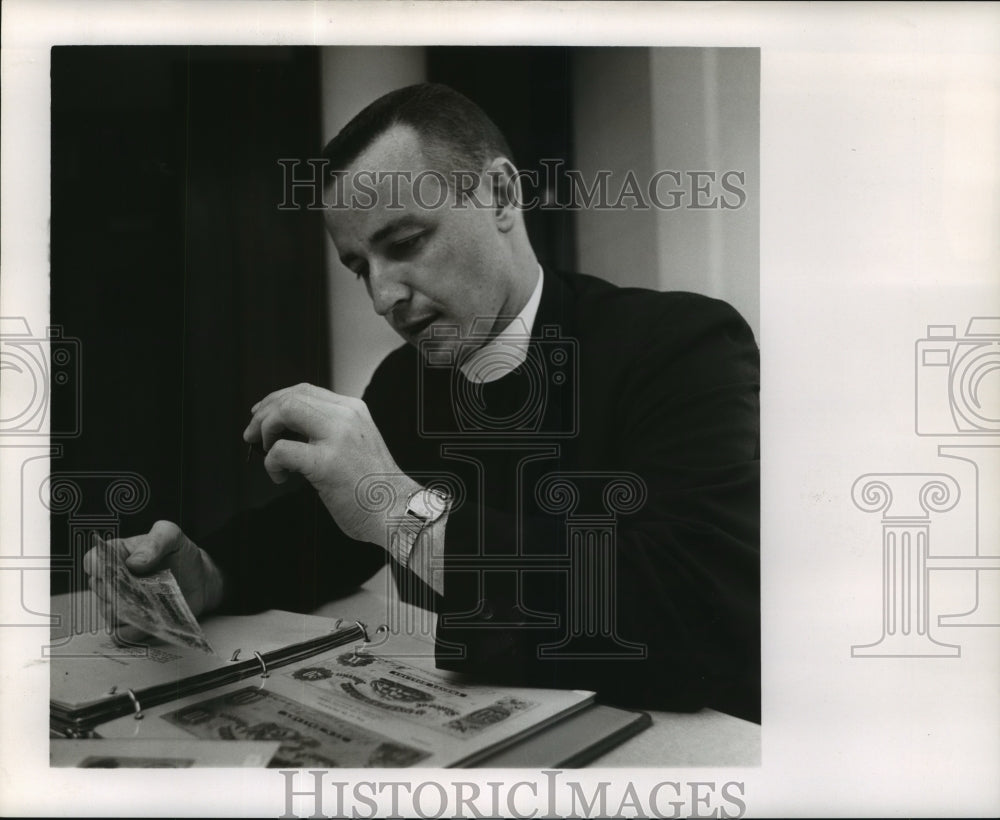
[387, 287]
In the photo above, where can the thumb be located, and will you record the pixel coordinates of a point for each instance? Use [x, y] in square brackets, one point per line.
[149, 553]
[288, 456]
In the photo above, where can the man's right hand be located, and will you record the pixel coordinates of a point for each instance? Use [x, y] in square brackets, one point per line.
[164, 547]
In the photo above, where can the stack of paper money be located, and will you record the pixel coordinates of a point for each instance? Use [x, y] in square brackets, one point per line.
[153, 603]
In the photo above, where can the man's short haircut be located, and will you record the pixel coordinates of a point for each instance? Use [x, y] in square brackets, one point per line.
[455, 133]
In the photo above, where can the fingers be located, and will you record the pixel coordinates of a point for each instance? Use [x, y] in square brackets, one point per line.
[304, 389]
[313, 416]
[100, 590]
[290, 414]
[164, 547]
[90, 563]
[281, 401]
[289, 457]
[143, 554]
[96, 564]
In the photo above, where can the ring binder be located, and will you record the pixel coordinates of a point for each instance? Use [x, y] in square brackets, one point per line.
[78, 702]
[135, 704]
[310, 699]
[337, 624]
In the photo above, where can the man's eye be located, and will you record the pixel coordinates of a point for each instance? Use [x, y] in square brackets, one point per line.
[407, 244]
[360, 270]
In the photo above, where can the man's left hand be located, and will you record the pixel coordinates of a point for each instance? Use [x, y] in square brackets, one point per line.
[340, 446]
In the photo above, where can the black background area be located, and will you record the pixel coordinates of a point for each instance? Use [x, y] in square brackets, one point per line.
[192, 295]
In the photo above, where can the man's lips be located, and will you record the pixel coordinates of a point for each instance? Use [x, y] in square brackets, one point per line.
[416, 326]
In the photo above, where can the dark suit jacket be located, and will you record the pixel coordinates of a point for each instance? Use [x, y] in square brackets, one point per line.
[606, 534]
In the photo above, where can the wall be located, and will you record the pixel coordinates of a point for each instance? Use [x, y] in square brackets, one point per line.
[706, 116]
[680, 109]
[350, 78]
[613, 132]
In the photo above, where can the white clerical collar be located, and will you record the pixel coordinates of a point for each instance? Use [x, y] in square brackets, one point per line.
[509, 348]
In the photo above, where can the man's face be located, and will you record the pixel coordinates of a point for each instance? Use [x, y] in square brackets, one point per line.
[426, 265]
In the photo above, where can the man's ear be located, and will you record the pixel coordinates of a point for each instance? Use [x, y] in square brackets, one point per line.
[505, 192]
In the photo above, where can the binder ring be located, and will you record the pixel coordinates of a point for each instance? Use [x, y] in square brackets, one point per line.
[263, 666]
[372, 642]
[337, 624]
[135, 704]
[361, 648]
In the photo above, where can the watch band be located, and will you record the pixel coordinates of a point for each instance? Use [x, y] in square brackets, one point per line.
[418, 516]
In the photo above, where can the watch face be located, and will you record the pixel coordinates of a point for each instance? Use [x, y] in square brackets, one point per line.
[428, 504]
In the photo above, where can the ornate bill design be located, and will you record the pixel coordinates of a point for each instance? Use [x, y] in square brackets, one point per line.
[379, 687]
[308, 738]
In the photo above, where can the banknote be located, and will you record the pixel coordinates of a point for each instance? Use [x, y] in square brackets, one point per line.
[382, 687]
[481, 719]
[153, 603]
[308, 738]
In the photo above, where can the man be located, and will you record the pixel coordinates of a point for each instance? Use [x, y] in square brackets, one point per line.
[566, 471]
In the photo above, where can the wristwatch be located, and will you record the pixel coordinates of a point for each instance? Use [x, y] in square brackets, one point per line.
[424, 506]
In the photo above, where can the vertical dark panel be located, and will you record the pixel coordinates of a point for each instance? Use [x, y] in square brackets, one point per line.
[254, 275]
[191, 293]
[526, 91]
